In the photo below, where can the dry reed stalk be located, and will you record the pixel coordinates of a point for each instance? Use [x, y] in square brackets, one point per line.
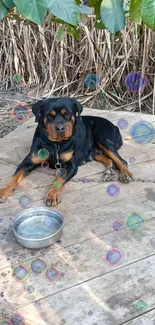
[57, 68]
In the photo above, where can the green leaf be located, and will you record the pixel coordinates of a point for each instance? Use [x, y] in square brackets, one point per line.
[73, 31]
[112, 15]
[58, 21]
[99, 24]
[60, 34]
[66, 10]
[148, 13]
[135, 11]
[34, 10]
[126, 8]
[3, 10]
[8, 3]
[91, 3]
[85, 10]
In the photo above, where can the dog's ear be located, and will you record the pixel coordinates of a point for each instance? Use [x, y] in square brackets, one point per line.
[36, 109]
[78, 106]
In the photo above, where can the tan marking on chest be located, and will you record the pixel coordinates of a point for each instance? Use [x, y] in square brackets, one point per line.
[36, 160]
[66, 156]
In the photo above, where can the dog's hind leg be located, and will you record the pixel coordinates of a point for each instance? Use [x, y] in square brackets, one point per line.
[109, 173]
[112, 153]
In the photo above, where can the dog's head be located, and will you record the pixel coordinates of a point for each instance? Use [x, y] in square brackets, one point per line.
[57, 116]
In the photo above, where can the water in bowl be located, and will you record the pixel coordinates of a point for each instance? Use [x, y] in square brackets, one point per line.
[38, 227]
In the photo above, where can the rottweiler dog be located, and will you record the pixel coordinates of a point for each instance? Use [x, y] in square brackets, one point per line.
[70, 140]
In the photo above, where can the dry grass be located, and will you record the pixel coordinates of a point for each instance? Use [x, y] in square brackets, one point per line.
[52, 68]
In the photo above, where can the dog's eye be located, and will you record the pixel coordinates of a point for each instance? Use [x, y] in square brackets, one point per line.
[49, 118]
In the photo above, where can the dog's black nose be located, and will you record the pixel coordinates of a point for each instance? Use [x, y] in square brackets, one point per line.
[60, 127]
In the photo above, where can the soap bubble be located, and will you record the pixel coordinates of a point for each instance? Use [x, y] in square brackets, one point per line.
[135, 82]
[52, 274]
[114, 257]
[113, 190]
[122, 124]
[38, 266]
[92, 81]
[25, 201]
[20, 112]
[142, 132]
[43, 154]
[17, 319]
[135, 221]
[20, 273]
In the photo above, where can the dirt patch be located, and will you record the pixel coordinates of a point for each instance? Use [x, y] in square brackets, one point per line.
[7, 101]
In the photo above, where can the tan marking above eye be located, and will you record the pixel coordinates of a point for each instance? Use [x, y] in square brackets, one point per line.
[63, 111]
[53, 113]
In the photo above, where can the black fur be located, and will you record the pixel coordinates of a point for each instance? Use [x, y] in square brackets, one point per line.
[88, 131]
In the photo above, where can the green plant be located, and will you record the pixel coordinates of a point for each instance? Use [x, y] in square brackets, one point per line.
[110, 14]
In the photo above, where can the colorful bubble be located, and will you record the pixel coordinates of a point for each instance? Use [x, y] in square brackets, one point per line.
[113, 190]
[135, 82]
[17, 319]
[43, 154]
[52, 274]
[57, 184]
[61, 172]
[38, 266]
[135, 221]
[90, 313]
[45, 165]
[20, 112]
[25, 201]
[17, 78]
[142, 132]
[114, 257]
[117, 225]
[30, 289]
[92, 81]
[4, 322]
[20, 273]
[141, 305]
[122, 124]
[85, 180]
[132, 160]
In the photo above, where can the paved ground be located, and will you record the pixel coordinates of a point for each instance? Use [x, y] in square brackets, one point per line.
[88, 290]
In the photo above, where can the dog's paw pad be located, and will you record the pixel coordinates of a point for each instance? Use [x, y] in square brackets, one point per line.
[53, 197]
[109, 175]
[5, 192]
[126, 176]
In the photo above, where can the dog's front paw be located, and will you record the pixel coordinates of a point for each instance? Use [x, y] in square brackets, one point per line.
[109, 175]
[53, 197]
[5, 192]
[125, 176]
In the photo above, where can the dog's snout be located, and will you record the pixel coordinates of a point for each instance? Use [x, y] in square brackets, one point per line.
[60, 127]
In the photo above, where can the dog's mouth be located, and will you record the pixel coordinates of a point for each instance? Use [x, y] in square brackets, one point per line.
[59, 132]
